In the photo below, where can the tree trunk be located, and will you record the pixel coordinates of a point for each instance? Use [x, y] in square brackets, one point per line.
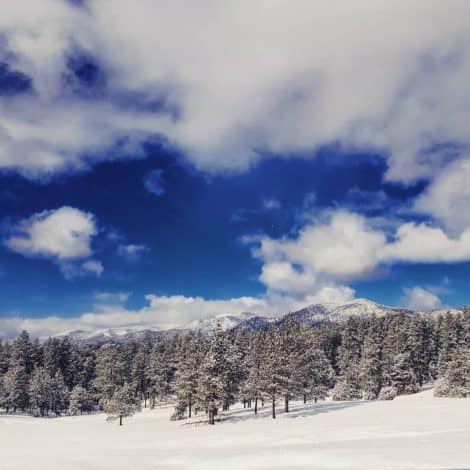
[286, 404]
[249, 403]
[120, 420]
[256, 405]
[244, 403]
[190, 407]
[211, 416]
[274, 407]
[305, 398]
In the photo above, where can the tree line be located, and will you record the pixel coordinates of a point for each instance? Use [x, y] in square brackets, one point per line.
[363, 358]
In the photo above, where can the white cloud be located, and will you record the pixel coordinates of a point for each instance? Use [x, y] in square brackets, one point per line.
[160, 312]
[343, 246]
[63, 234]
[448, 197]
[107, 298]
[163, 312]
[93, 266]
[418, 298]
[132, 251]
[372, 74]
[424, 244]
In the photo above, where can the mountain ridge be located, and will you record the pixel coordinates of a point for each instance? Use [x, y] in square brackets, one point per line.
[309, 315]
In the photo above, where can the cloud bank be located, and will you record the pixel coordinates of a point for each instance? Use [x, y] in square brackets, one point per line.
[342, 246]
[262, 77]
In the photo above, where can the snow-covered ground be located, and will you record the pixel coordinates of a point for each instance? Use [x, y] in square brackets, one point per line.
[412, 432]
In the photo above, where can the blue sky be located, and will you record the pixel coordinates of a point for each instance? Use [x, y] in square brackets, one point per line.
[151, 177]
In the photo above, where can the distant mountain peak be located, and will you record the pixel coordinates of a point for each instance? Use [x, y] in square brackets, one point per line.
[312, 314]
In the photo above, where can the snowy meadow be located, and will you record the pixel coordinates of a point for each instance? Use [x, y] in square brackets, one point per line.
[411, 432]
[368, 392]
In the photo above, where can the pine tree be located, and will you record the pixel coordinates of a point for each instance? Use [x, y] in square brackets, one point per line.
[403, 377]
[348, 386]
[140, 363]
[252, 387]
[22, 353]
[109, 371]
[41, 389]
[313, 370]
[15, 382]
[273, 369]
[4, 357]
[159, 373]
[60, 394]
[80, 401]
[122, 403]
[212, 386]
[187, 375]
[370, 366]
[289, 348]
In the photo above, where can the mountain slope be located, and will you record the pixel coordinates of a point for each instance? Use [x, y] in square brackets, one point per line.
[339, 312]
[313, 314]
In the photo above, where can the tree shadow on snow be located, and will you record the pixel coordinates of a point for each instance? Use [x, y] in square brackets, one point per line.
[296, 411]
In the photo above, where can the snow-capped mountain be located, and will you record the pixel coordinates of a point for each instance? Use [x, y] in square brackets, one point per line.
[316, 313]
[337, 312]
[114, 335]
[230, 322]
[206, 326]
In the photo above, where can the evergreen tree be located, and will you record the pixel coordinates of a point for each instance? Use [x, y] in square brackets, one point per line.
[159, 373]
[140, 364]
[60, 394]
[122, 403]
[15, 383]
[252, 386]
[313, 370]
[370, 366]
[403, 377]
[22, 353]
[109, 371]
[348, 386]
[273, 372]
[80, 401]
[187, 374]
[41, 389]
[212, 386]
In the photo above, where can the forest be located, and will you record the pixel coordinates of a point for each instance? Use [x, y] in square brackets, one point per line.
[359, 359]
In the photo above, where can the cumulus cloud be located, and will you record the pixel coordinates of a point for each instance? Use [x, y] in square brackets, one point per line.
[447, 198]
[343, 246]
[418, 298]
[284, 80]
[63, 235]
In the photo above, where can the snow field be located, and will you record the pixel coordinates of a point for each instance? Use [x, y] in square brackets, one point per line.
[410, 432]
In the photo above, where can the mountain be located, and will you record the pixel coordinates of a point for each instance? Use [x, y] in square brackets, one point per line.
[313, 314]
[339, 312]
[244, 320]
[115, 335]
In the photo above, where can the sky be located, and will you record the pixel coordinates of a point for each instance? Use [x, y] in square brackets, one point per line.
[167, 162]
